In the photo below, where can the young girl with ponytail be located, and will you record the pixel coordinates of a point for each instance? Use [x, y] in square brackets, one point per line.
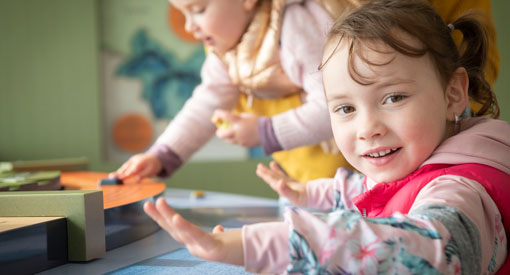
[433, 194]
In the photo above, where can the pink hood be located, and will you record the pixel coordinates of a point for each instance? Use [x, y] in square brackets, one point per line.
[481, 140]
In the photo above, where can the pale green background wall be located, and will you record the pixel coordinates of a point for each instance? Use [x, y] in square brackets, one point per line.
[50, 104]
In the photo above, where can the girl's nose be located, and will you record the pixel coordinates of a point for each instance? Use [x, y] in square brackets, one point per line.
[371, 126]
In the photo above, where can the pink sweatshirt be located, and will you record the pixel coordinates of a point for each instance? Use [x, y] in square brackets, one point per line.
[304, 29]
[448, 205]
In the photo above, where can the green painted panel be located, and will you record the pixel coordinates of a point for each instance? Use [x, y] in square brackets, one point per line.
[83, 210]
[500, 11]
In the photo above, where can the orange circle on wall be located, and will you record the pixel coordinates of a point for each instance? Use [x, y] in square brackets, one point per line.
[132, 132]
[176, 22]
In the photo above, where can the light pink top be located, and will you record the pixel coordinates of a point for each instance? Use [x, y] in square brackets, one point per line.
[481, 140]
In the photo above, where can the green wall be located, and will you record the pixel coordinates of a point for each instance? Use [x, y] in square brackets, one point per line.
[500, 9]
[50, 96]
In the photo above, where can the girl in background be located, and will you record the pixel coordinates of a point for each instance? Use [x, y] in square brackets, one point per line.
[434, 190]
[260, 75]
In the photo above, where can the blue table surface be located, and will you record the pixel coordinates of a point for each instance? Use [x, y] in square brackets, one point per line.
[160, 254]
[181, 262]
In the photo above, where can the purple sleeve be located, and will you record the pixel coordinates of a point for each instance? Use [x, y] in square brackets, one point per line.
[169, 159]
[267, 137]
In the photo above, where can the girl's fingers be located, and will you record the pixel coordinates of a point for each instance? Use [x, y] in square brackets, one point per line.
[120, 173]
[151, 210]
[288, 192]
[228, 133]
[165, 209]
[145, 171]
[185, 231]
[265, 174]
[276, 169]
[198, 242]
[274, 166]
[261, 170]
[168, 218]
[277, 180]
[282, 187]
[155, 214]
[130, 171]
[190, 234]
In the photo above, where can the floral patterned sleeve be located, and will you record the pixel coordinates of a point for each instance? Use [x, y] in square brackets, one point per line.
[355, 245]
[431, 239]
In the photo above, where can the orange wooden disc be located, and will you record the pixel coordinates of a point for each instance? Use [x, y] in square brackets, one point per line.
[132, 132]
[114, 195]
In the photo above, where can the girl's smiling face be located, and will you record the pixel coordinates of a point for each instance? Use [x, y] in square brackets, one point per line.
[218, 23]
[388, 128]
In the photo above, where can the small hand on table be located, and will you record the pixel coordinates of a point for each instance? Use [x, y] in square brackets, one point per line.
[219, 245]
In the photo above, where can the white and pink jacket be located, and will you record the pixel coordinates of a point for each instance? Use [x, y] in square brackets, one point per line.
[446, 217]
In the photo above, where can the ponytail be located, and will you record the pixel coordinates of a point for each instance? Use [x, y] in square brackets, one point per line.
[473, 56]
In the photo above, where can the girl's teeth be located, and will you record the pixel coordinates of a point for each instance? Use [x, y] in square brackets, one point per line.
[381, 154]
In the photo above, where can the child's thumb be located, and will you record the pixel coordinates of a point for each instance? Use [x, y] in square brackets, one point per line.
[218, 228]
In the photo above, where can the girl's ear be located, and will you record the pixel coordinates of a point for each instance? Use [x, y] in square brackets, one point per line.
[249, 4]
[457, 93]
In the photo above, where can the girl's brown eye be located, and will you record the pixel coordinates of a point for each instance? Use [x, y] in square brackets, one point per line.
[344, 109]
[394, 99]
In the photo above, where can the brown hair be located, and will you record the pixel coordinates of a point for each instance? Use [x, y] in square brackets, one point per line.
[378, 20]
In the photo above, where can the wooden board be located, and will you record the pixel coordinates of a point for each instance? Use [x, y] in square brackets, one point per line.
[29, 245]
[114, 195]
[11, 223]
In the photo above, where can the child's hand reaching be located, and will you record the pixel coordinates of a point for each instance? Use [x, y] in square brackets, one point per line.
[239, 129]
[138, 166]
[220, 246]
[293, 190]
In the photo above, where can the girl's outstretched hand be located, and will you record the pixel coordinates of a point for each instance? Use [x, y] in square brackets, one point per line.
[138, 167]
[239, 129]
[219, 246]
[293, 190]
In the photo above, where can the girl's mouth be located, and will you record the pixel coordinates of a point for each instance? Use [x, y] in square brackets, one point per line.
[208, 41]
[383, 153]
[383, 157]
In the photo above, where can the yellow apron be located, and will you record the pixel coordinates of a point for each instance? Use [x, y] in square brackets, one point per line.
[304, 163]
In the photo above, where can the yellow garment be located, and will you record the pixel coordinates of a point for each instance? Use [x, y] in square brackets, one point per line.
[303, 163]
